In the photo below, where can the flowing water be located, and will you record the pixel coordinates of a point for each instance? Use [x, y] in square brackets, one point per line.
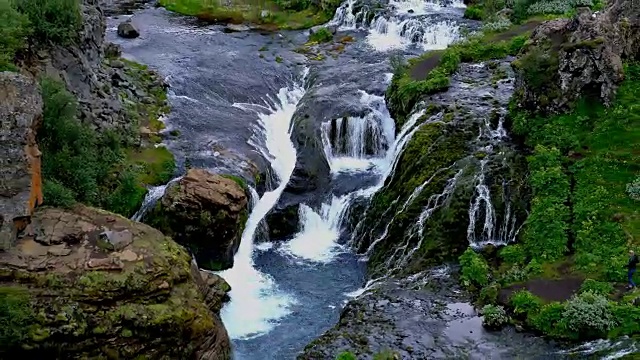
[234, 108]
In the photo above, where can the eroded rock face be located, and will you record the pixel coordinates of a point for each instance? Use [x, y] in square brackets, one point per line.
[206, 213]
[568, 59]
[20, 180]
[106, 287]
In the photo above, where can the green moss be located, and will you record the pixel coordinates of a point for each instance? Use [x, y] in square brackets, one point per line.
[473, 13]
[154, 165]
[279, 59]
[321, 35]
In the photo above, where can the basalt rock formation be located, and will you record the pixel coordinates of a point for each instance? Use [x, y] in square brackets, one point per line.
[85, 283]
[205, 212]
[568, 59]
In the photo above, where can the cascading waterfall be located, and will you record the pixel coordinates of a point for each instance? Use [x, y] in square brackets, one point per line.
[255, 300]
[154, 194]
[395, 33]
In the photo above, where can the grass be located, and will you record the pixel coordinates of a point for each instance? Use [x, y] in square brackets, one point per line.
[279, 14]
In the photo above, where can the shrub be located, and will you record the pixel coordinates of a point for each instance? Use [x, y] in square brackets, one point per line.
[475, 271]
[15, 317]
[500, 24]
[346, 356]
[321, 35]
[588, 315]
[549, 320]
[513, 254]
[494, 317]
[596, 287]
[556, 6]
[489, 294]
[14, 29]
[633, 189]
[524, 303]
[473, 12]
[53, 21]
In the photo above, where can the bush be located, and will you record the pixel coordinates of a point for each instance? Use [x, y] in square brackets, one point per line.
[14, 30]
[524, 303]
[633, 189]
[494, 317]
[549, 320]
[588, 316]
[513, 254]
[79, 164]
[346, 356]
[53, 21]
[473, 12]
[596, 287]
[475, 271]
[321, 35]
[489, 294]
[15, 317]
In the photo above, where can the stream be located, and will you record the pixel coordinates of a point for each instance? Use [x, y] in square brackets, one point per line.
[235, 97]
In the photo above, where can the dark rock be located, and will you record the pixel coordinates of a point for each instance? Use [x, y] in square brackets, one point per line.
[283, 222]
[230, 28]
[206, 213]
[20, 178]
[568, 59]
[127, 30]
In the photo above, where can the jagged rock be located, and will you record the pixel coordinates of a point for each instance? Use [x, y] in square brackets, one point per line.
[332, 29]
[567, 59]
[112, 50]
[206, 213]
[214, 288]
[137, 300]
[20, 178]
[127, 30]
[117, 7]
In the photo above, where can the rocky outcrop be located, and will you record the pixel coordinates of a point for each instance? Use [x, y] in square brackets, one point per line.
[423, 317]
[20, 179]
[127, 30]
[206, 213]
[85, 283]
[569, 59]
[283, 222]
[117, 7]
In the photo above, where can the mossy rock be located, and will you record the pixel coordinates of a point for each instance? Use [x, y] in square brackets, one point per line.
[69, 296]
[206, 213]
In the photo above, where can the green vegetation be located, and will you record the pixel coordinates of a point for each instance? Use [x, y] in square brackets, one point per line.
[582, 220]
[474, 269]
[269, 14]
[98, 169]
[25, 23]
[409, 86]
[518, 11]
[321, 35]
[473, 13]
[15, 316]
[494, 317]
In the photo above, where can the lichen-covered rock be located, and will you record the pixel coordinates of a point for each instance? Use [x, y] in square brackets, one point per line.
[20, 178]
[85, 283]
[568, 59]
[205, 212]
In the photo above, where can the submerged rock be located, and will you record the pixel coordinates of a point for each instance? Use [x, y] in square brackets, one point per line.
[283, 222]
[20, 178]
[68, 294]
[127, 30]
[205, 212]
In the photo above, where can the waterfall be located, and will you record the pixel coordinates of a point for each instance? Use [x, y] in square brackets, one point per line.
[395, 33]
[154, 194]
[346, 153]
[359, 143]
[256, 302]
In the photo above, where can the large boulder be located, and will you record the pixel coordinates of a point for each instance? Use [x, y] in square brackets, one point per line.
[569, 59]
[206, 213]
[86, 283]
[20, 180]
[127, 30]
